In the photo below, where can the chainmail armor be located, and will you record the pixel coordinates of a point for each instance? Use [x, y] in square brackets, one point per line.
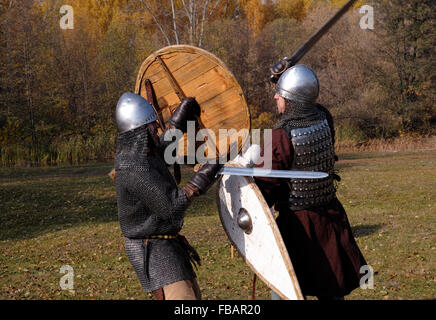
[299, 115]
[149, 203]
[311, 139]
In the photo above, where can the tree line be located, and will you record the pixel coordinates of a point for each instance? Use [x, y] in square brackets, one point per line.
[59, 87]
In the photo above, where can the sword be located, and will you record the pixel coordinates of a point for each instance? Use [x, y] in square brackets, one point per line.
[287, 63]
[259, 172]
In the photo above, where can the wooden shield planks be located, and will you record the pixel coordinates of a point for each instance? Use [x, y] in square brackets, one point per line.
[202, 75]
[263, 248]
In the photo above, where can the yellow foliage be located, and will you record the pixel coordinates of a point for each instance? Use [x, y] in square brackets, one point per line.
[264, 121]
[255, 15]
[296, 9]
[259, 12]
[340, 3]
[93, 16]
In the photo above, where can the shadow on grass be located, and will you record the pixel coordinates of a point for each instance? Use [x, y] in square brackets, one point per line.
[37, 201]
[48, 201]
[365, 229]
[53, 172]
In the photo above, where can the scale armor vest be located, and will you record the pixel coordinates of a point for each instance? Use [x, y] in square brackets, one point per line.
[313, 151]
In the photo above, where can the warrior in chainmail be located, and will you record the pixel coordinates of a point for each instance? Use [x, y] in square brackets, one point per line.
[312, 221]
[151, 207]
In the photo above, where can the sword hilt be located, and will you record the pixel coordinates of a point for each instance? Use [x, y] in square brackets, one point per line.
[280, 67]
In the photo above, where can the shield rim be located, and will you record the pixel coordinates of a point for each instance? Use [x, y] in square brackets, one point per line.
[277, 236]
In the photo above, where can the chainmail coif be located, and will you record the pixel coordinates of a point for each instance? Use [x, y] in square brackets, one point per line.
[150, 203]
[300, 114]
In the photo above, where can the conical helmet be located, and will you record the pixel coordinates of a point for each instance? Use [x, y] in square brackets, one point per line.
[299, 84]
[133, 111]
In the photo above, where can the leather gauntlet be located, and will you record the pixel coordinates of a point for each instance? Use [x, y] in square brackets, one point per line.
[205, 177]
[278, 69]
[188, 110]
[191, 191]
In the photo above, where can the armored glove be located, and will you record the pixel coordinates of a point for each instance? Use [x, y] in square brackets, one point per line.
[191, 191]
[187, 111]
[280, 66]
[278, 69]
[205, 177]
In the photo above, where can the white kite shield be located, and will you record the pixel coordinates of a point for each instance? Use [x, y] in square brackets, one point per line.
[252, 229]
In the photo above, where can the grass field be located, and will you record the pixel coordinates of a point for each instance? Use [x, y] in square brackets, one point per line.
[50, 217]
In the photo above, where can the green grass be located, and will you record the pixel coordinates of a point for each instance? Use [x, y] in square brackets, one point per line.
[50, 217]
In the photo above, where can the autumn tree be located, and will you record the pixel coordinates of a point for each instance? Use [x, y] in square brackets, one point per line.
[293, 9]
[184, 21]
[24, 22]
[406, 32]
[58, 88]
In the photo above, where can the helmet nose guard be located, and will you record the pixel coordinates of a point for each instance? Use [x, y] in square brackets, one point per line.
[298, 83]
[132, 112]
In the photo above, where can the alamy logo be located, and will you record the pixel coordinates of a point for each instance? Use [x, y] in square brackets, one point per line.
[227, 140]
[67, 281]
[67, 20]
[367, 280]
[367, 21]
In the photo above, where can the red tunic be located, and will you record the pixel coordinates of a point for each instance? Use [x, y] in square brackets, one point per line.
[319, 240]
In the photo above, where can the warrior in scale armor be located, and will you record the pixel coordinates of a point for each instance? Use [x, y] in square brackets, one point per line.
[312, 221]
[151, 207]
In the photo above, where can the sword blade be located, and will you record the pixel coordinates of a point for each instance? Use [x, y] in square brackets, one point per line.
[258, 172]
[300, 53]
[317, 35]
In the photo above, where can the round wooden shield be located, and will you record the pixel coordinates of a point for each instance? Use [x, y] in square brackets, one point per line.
[184, 71]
